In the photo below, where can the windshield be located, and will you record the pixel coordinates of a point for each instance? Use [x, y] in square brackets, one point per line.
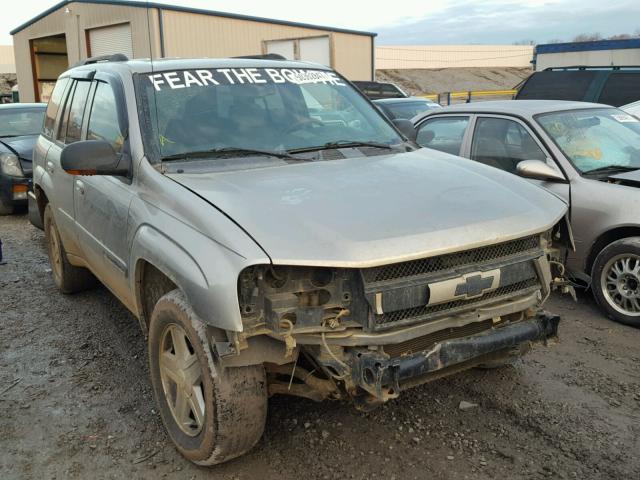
[268, 109]
[595, 139]
[407, 110]
[20, 121]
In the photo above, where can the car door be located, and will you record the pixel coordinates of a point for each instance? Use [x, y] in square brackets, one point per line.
[62, 183]
[447, 133]
[503, 142]
[102, 201]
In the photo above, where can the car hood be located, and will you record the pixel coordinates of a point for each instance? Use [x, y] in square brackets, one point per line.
[22, 146]
[369, 211]
[632, 177]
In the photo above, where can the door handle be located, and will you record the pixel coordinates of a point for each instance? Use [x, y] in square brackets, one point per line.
[50, 166]
[80, 187]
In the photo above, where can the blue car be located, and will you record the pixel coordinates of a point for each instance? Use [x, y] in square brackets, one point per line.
[20, 125]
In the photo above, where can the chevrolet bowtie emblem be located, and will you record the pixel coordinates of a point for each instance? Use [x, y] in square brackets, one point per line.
[474, 286]
[470, 285]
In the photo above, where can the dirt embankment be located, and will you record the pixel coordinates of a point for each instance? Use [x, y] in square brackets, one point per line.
[422, 81]
[75, 402]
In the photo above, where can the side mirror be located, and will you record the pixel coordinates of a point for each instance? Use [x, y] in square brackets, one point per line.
[406, 128]
[538, 170]
[94, 157]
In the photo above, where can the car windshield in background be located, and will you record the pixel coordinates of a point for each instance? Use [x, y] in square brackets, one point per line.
[267, 109]
[593, 140]
[407, 110]
[15, 122]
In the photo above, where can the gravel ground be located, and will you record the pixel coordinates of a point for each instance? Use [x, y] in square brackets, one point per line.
[75, 401]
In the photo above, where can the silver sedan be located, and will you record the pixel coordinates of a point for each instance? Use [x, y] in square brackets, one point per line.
[588, 154]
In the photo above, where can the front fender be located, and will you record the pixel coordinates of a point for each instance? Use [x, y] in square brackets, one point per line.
[206, 272]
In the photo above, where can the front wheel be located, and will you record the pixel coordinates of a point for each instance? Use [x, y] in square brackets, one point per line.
[212, 414]
[616, 280]
[5, 209]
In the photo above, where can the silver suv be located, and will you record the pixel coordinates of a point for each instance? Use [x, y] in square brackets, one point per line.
[274, 233]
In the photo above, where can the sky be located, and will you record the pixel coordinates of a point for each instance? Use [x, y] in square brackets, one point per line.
[417, 21]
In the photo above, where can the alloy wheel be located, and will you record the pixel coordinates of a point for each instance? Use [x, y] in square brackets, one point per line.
[181, 377]
[620, 283]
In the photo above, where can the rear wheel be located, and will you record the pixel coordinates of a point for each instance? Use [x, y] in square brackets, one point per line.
[212, 414]
[616, 280]
[68, 278]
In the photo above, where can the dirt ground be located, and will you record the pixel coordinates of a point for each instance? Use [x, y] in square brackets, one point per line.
[75, 402]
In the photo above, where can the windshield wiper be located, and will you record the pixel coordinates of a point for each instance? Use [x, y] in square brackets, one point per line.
[611, 169]
[341, 144]
[230, 151]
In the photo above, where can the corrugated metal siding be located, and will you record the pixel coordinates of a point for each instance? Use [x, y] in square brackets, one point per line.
[449, 56]
[90, 16]
[193, 35]
[7, 63]
[594, 58]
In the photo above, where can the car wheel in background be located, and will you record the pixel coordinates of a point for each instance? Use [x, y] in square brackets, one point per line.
[616, 280]
[211, 413]
[34, 213]
[68, 278]
[5, 209]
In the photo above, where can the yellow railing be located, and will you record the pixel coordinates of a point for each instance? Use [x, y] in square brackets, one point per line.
[446, 98]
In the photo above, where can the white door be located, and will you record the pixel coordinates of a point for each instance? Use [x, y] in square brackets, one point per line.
[110, 40]
[316, 50]
[282, 47]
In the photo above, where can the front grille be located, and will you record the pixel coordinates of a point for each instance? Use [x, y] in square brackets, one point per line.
[428, 341]
[450, 261]
[431, 312]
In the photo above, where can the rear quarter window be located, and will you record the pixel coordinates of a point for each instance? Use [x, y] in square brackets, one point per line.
[571, 85]
[620, 89]
[53, 107]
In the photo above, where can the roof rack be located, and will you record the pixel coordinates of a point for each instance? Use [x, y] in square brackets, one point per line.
[594, 67]
[116, 57]
[266, 56]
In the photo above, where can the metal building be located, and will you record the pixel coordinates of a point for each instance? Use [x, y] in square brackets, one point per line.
[601, 53]
[72, 30]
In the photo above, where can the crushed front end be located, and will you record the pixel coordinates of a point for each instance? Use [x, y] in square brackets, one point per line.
[370, 333]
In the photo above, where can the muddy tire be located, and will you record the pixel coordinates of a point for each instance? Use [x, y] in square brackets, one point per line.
[68, 278]
[615, 280]
[211, 414]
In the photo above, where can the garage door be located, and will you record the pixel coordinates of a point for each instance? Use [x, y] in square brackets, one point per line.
[110, 40]
[314, 49]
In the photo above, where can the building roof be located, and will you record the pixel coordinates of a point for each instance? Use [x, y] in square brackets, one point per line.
[177, 8]
[588, 46]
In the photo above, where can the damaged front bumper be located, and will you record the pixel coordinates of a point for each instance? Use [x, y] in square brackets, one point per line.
[385, 377]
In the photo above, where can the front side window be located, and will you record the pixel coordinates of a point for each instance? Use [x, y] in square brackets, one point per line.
[503, 143]
[103, 121]
[15, 122]
[54, 106]
[270, 109]
[595, 139]
[443, 133]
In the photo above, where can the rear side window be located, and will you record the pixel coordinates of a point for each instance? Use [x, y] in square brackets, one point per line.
[54, 106]
[571, 85]
[620, 89]
[103, 121]
[443, 133]
[76, 111]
